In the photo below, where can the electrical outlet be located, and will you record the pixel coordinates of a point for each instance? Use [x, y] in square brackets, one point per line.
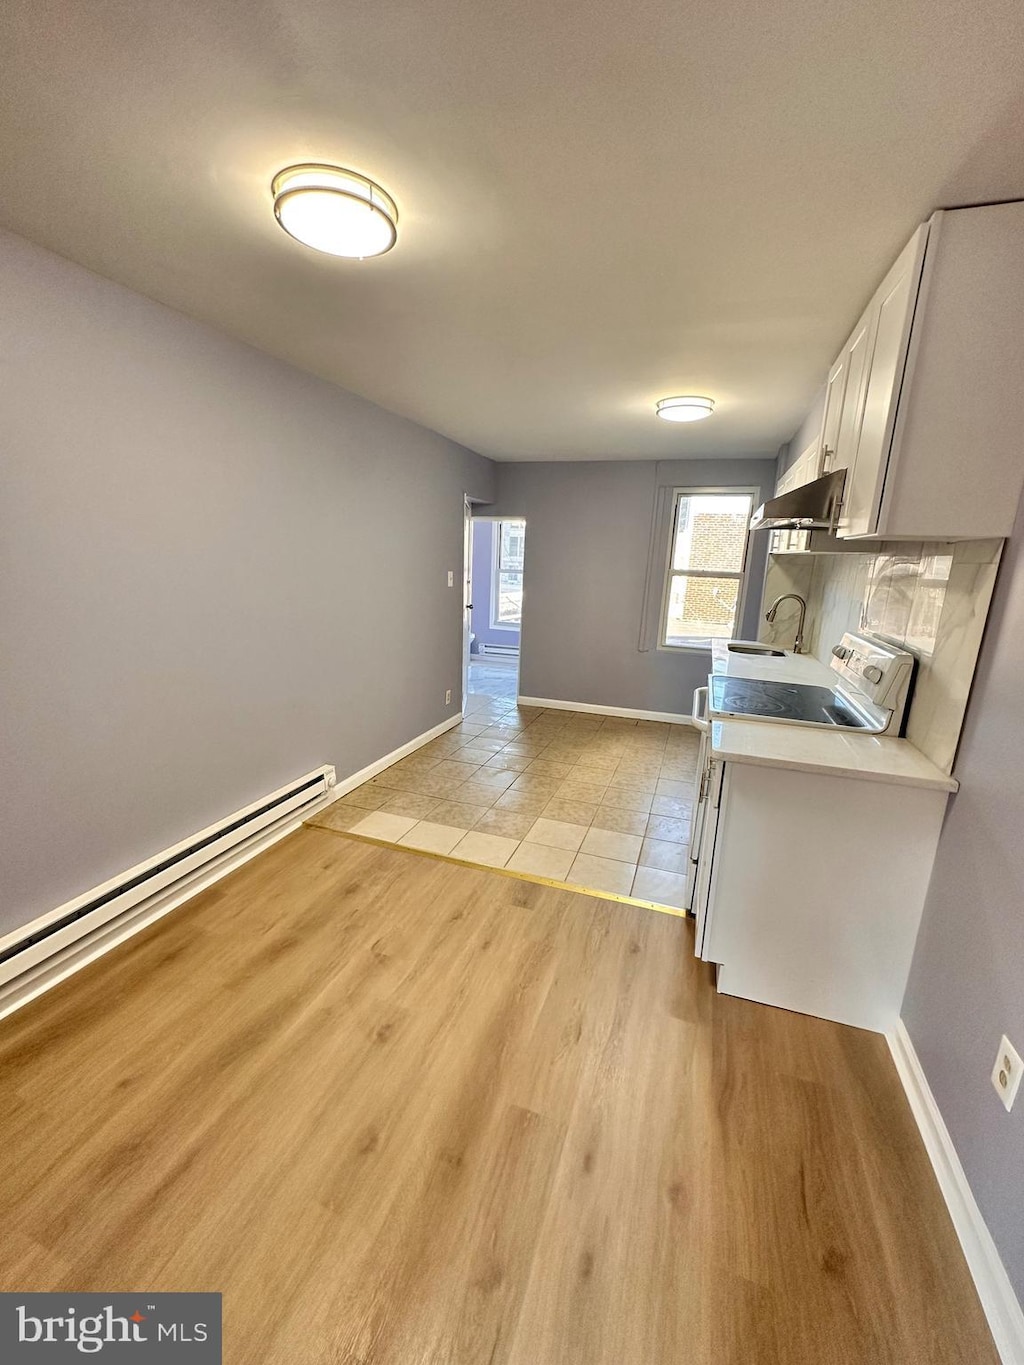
[1007, 1072]
[451, 578]
[448, 697]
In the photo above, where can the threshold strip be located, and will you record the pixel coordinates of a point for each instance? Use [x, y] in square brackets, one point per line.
[504, 871]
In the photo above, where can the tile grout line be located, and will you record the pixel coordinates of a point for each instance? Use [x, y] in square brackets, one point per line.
[572, 735]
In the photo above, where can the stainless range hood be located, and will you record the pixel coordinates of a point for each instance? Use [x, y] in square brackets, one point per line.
[812, 507]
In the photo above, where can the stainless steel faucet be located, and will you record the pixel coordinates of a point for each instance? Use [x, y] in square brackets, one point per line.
[798, 643]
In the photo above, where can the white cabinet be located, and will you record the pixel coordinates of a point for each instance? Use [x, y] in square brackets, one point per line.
[809, 888]
[877, 358]
[809, 465]
[785, 482]
[834, 391]
[925, 406]
[701, 724]
[704, 839]
[847, 423]
[806, 468]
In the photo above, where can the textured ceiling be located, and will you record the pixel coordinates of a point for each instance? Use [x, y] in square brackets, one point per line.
[600, 203]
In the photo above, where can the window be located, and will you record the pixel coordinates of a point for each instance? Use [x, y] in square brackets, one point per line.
[707, 555]
[507, 579]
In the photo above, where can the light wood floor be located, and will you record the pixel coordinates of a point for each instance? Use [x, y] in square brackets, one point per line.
[403, 1112]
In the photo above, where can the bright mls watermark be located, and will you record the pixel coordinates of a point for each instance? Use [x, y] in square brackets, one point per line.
[169, 1329]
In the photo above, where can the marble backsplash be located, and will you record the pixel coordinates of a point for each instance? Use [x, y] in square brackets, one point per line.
[929, 598]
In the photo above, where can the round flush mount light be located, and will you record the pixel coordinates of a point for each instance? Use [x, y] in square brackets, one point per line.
[334, 210]
[687, 409]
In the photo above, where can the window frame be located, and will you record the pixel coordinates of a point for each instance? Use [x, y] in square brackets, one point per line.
[495, 624]
[743, 575]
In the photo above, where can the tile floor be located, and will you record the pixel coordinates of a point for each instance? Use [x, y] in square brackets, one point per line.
[597, 802]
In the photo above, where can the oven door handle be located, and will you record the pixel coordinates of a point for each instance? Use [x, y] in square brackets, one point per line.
[699, 710]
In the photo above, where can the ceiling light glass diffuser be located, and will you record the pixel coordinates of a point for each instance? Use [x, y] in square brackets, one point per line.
[337, 211]
[688, 409]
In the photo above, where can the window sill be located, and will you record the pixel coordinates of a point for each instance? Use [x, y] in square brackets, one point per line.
[684, 649]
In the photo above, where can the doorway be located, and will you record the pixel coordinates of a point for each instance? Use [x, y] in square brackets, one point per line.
[494, 612]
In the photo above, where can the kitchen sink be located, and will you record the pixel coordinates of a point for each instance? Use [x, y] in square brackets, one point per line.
[741, 647]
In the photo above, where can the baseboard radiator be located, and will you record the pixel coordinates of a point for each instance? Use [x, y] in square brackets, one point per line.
[501, 651]
[39, 954]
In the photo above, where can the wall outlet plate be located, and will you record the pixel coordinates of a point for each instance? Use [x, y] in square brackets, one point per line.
[448, 697]
[451, 578]
[1007, 1072]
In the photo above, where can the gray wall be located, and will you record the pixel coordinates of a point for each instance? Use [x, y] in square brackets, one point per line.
[588, 536]
[217, 573]
[966, 986]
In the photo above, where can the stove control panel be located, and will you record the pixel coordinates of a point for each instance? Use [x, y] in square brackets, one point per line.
[878, 671]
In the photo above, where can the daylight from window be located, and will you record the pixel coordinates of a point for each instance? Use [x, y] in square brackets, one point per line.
[507, 604]
[705, 573]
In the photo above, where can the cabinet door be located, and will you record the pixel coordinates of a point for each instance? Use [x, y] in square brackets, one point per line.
[803, 470]
[699, 792]
[809, 464]
[890, 316]
[704, 907]
[778, 541]
[834, 391]
[858, 348]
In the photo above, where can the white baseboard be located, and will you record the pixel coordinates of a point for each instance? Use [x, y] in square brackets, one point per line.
[349, 784]
[64, 962]
[1000, 1304]
[591, 709]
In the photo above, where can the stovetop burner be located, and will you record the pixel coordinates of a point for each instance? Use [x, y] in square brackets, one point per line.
[799, 703]
[764, 705]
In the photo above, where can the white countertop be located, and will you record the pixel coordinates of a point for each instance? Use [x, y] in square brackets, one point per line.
[791, 668]
[843, 753]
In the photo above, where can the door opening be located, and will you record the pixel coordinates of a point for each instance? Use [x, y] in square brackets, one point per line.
[494, 598]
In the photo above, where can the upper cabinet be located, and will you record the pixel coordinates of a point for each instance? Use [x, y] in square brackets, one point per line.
[875, 359]
[805, 468]
[834, 392]
[924, 406]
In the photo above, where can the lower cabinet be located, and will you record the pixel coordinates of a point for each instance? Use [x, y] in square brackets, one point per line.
[809, 888]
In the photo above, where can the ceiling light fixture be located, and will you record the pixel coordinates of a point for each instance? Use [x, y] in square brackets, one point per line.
[687, 409]
[334, 210]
